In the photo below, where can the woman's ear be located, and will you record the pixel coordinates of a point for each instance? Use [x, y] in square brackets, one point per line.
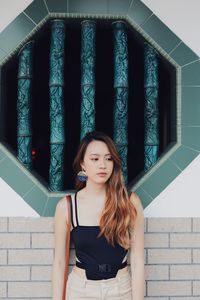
[82, 166]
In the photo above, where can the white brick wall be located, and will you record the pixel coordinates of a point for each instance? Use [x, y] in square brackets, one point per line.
[172, 258]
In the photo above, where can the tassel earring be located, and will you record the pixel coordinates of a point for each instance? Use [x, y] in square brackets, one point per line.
[81, 176]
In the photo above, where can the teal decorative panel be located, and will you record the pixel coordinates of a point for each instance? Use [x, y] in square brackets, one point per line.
[56, 86]
[88, 57]
[120, 110]
[24, 128]
[151, 122]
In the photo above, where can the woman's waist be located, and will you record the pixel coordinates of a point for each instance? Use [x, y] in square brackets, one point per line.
[82, 272]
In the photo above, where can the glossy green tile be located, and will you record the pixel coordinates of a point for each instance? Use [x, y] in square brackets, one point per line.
[190, 109]
[139, 12]
[191, 74]
[87, 6]
[2, 155]
[183, 157]
[191, 137]
[37, 199]
[15, 32]
[3, 54]
[118, 7]
[145, 199]
[15, 177]
[37, 10]
[160, 179]
[51, 206]
[57, 6]
[159, 32]
[183, 55]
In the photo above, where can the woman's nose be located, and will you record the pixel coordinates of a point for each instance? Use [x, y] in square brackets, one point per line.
[102, 164]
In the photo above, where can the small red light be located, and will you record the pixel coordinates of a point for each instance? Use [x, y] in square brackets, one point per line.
[33, 152]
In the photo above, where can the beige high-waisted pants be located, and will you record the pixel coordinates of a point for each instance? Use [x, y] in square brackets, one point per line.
[117, 288]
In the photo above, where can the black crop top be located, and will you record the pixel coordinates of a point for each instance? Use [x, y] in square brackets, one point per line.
[99, 259]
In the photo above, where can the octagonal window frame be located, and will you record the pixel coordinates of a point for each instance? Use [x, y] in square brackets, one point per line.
[175, 157]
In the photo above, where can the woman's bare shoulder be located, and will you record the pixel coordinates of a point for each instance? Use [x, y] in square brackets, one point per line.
[61, 209]
[134, 198]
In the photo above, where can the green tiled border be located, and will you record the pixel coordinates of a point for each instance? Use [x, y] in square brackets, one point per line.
[187, 63]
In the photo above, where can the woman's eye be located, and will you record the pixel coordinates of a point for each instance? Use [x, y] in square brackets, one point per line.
[94, 158]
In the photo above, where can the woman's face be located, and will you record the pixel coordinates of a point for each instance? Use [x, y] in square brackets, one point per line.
[98, 162]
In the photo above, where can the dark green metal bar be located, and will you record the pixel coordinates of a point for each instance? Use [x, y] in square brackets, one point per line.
[151, 115]
[120, 111]
[24, 128]
[56, 88]
[88, 59]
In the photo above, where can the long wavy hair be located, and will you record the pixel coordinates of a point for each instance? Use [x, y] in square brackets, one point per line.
[118, 216]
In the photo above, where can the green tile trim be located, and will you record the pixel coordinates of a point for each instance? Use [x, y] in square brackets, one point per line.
[2, 156]
[183, 156]
[160, 179]
[144, 197]
[190, 106]
[118, 7]
[160, 33]
[87, 7]
[3, 54]
[191, 74]
[12, 35]
[13, 176]
[176, 157]
[190, 137]
[36, 199]
[139, 12]
[37, 11]
[49, 209]
[183, 55]
[57, 6]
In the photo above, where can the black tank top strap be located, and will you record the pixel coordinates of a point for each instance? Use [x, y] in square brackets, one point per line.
[71, 210]
[76, 210]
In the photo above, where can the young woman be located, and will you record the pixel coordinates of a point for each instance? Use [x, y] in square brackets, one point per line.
[106, 222]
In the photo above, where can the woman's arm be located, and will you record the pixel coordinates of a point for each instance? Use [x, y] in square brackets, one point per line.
[60, 231]
[137, 251]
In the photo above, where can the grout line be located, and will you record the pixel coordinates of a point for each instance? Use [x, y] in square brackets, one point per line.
[175, 164]
[142, 24]
[146, 193]
[28, 191]
[29, 18]
[175, 48]
[130, 6]
[45, 206]
[46, 6]
[191, 62]
[190, 148]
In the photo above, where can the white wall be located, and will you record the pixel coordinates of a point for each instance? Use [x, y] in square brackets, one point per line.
[180, 198]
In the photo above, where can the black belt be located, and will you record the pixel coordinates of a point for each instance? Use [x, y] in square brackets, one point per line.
[102, 267]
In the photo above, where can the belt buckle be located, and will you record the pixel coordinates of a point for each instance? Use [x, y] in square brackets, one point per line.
[104, 268]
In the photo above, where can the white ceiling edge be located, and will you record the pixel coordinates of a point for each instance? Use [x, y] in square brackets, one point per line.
[182, 17]
[13, 205]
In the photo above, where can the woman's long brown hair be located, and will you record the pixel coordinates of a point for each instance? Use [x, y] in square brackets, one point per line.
[118, 216]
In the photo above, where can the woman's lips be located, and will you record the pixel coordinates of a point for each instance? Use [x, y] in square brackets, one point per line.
[101, 174]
